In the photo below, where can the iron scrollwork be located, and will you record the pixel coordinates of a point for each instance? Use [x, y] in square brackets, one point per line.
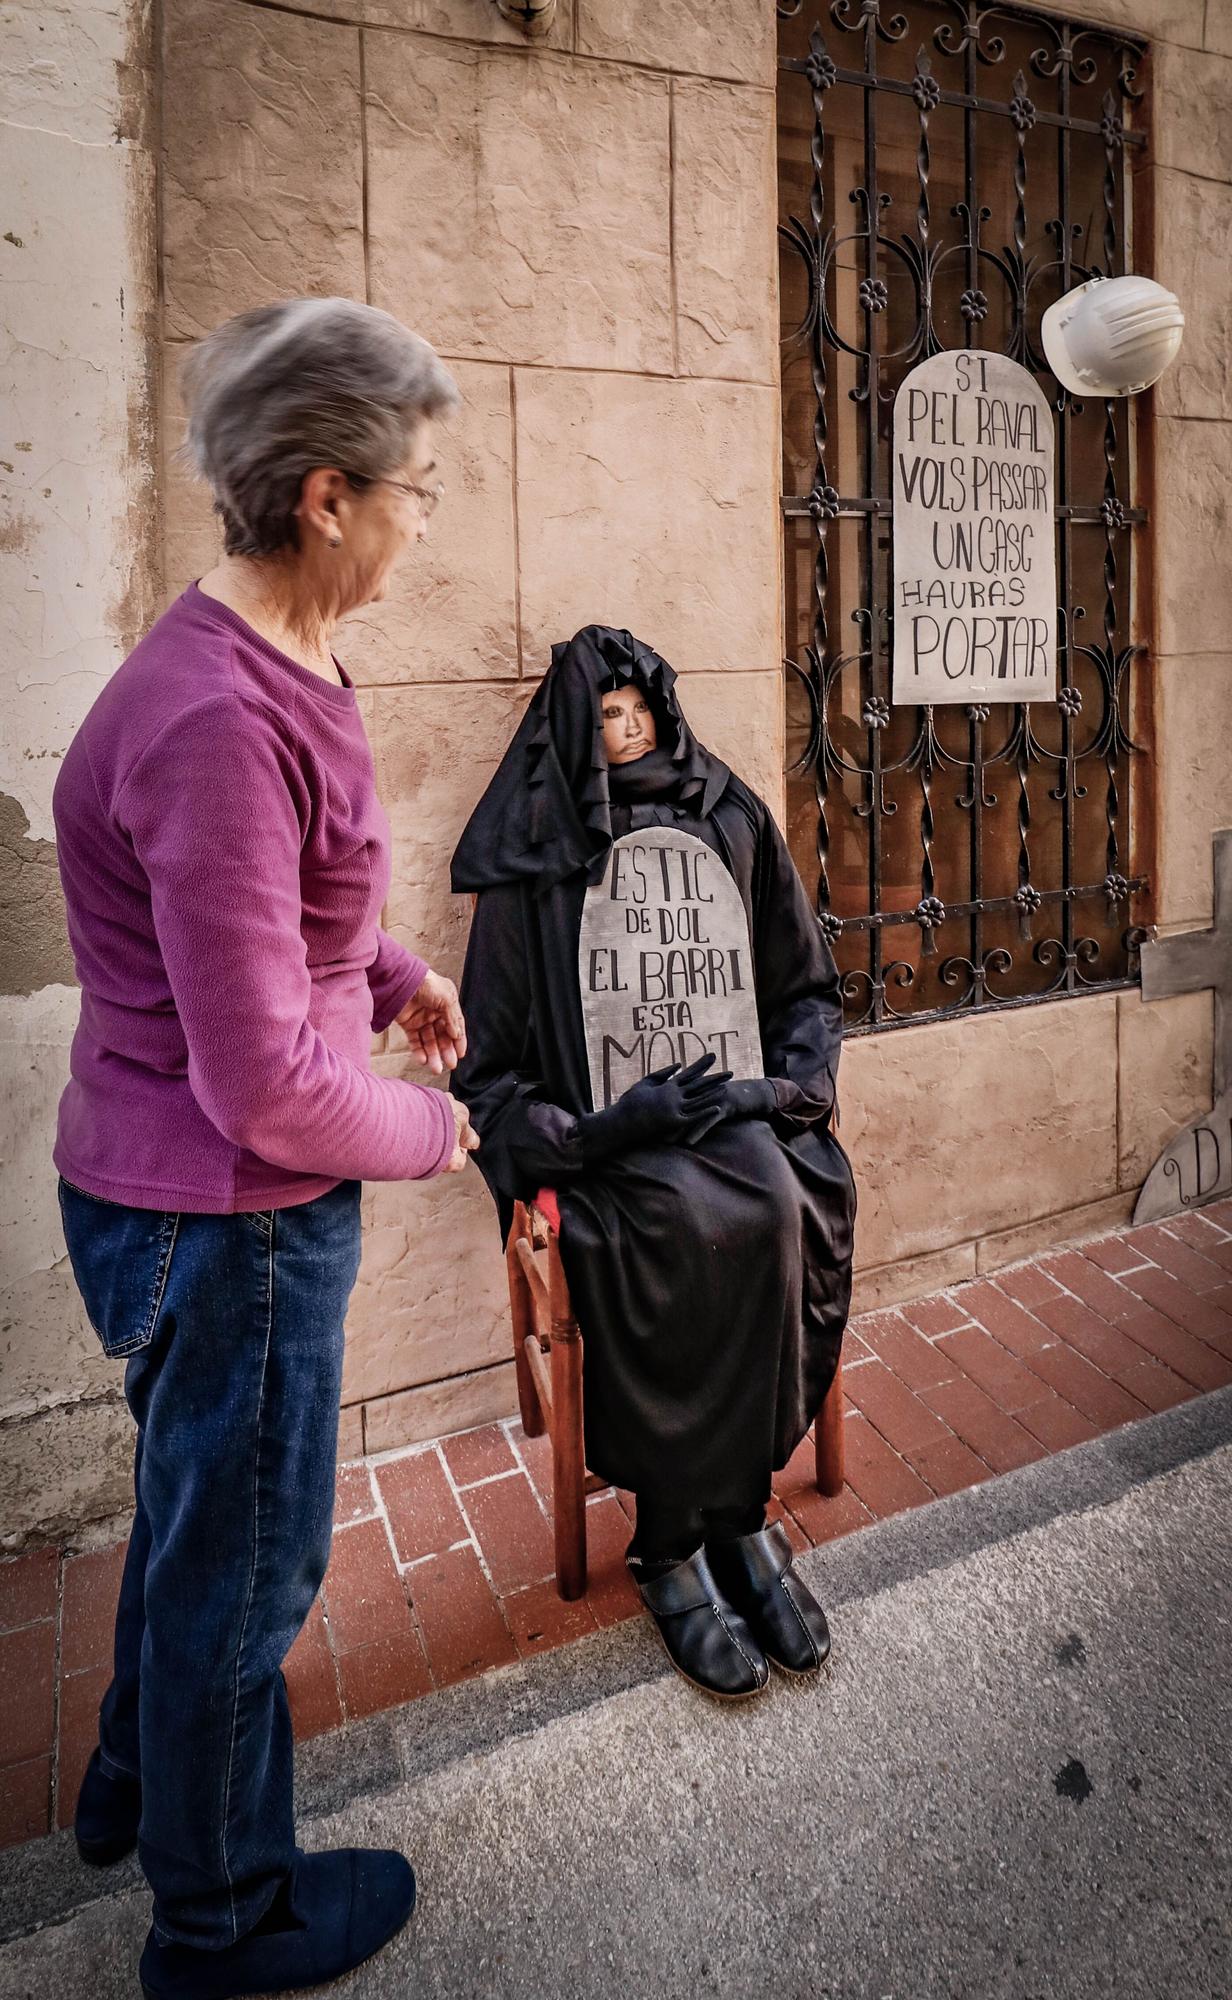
[960, 66]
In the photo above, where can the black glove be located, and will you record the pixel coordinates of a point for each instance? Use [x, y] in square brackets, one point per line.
[752, 1097]
[671, 1106]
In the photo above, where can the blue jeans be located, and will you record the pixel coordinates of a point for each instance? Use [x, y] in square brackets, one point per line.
[232, 1329]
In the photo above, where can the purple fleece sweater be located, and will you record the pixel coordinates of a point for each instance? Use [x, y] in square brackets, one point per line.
[224, 858]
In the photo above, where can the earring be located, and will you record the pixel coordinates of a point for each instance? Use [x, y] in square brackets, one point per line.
[335, 541]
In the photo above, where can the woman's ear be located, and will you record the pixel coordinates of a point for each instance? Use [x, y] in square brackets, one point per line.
[320, 494]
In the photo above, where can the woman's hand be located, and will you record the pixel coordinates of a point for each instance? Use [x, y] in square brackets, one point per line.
[466, 1139]
[433, 1025]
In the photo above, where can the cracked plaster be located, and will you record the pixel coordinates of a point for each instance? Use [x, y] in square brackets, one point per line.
[76, 561]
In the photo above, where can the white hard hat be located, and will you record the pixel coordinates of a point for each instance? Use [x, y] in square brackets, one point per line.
[1112, 336]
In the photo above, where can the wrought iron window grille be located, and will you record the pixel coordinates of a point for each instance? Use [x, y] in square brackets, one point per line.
[854, 761]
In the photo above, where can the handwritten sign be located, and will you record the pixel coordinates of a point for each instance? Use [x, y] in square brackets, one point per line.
[664, 963]
[975, 583]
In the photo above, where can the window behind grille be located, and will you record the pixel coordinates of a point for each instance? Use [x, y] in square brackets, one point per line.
[946, 171]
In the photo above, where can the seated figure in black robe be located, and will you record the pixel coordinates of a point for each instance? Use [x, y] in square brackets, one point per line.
[706, 1222]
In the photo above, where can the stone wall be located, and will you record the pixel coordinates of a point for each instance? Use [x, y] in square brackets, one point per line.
[586, 231]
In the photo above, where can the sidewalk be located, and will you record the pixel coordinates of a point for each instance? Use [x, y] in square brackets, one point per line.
[442, 1562]
[1009, 1782]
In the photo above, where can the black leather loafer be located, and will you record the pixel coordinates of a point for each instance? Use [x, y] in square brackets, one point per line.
[705, 1639]
[107, 1816]
[755, 1574]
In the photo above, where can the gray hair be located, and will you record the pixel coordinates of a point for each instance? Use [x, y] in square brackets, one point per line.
[306, 382]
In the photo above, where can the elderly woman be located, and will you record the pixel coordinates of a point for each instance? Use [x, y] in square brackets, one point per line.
[224, 859]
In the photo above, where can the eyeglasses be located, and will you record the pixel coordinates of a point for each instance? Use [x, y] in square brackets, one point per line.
[427, 496]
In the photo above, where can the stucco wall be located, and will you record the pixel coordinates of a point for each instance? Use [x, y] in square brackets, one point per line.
[77, 586]
[586, 230]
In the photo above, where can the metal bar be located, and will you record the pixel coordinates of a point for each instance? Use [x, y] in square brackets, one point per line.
[1030, 16]
[1065, 518]
[1083, 515]
[887, 919]
[819, 500]
[1012, 1003]
[961, 101]
[872, 484]
[976, 712]
[1117, 515]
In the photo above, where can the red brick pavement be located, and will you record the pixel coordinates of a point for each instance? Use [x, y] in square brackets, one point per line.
[442, 1555]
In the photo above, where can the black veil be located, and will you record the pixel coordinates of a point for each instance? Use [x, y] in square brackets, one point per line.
[546, 815]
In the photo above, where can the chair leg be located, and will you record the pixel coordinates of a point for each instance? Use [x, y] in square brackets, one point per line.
[522, 1313]
[568, 1468]
[830, 1438]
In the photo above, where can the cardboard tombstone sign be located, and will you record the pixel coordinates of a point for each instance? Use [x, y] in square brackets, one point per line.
[975, 570]
[664, 964]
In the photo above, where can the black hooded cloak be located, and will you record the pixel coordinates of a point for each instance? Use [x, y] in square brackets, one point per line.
[711, 1282]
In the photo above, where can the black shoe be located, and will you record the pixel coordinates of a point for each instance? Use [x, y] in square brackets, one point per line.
[706, 1640]
[755, 1575]
[337, 1909]
[107, 1816]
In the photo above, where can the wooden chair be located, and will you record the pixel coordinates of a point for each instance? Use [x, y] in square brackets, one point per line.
[547, 1352]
